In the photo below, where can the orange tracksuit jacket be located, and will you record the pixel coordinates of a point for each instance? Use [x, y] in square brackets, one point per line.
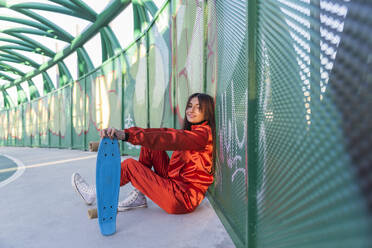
[177, 185]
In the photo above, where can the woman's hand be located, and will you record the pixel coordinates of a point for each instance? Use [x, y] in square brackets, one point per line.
[112, 133]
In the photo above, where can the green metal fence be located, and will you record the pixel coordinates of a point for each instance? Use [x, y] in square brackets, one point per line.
[312, 172]
[292, 82]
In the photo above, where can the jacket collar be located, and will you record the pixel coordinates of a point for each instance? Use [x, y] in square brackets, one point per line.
[202, 123]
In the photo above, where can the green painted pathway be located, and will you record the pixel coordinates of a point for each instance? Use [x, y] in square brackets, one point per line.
[6, 166]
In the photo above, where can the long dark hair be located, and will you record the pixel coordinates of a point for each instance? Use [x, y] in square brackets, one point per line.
[206, 104]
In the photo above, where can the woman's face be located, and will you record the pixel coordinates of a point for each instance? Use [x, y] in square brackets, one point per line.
[193, 113]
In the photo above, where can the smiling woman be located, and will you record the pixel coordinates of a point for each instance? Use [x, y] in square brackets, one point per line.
[177, 184]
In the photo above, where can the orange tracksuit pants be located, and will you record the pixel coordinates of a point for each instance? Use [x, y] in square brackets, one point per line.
[154, 184]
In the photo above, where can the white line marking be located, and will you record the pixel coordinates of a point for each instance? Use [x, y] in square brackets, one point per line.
[23, 167]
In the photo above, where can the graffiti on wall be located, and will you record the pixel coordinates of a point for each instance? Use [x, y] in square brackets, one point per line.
[232, 134]
[129, 122]
[189, 55]
[103, 109]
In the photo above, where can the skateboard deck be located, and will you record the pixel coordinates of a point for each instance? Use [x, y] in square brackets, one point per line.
[107, 184]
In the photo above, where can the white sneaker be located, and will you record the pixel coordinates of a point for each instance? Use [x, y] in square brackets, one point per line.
[86, 192]
[135, 200]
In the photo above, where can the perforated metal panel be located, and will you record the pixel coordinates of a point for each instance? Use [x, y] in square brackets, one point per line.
[78, 114]
[229, 191]
[43, 121]
[188, 42]
[55, 110]
[135, 106]
[66, 117]
[311, 192]
[160, 71]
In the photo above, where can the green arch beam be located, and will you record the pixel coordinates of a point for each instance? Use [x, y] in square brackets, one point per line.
[76, 12]
[11, 69]
[102, 20]
[38, 25]
[4, 76]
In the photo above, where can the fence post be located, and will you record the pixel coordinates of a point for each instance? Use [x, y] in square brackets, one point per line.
[252, 137]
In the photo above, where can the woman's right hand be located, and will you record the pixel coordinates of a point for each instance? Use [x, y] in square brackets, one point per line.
[112, 133]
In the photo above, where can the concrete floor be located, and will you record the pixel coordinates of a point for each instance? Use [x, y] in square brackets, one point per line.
[39, 208]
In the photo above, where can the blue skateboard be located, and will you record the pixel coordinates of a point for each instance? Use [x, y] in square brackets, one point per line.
[107, 184]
